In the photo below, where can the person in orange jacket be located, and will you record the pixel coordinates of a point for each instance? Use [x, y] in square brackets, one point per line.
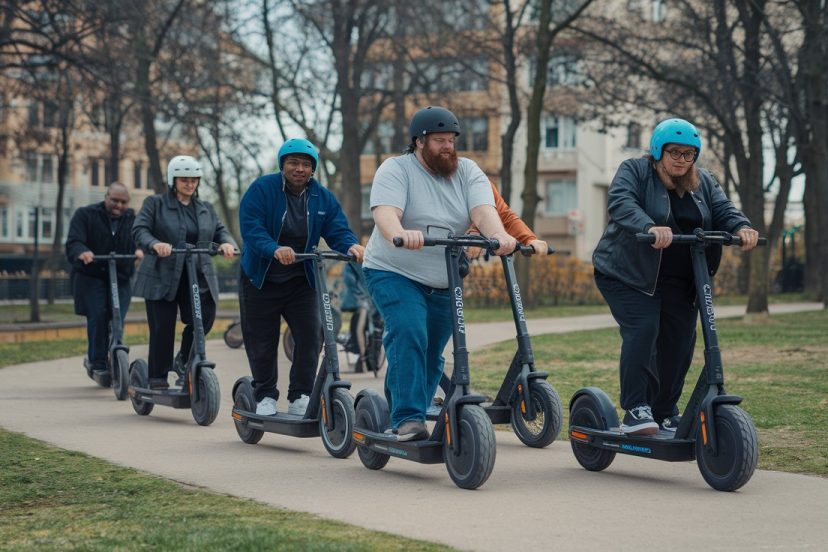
[514, 226]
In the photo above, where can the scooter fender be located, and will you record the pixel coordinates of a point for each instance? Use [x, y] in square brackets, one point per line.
[521, 391]
[378, 407]
[708, 422]
[609, 416]
[246, 381]
[120, 347]
[327, 395]
[196, 374]
[452, 409]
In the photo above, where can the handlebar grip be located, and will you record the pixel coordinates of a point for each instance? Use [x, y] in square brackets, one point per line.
[397, 241]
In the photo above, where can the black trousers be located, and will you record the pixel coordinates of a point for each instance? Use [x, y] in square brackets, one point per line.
[261, 313]
[658, 336]
[162, 316]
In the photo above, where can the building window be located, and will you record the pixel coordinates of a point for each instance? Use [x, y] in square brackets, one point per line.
[474, 135]
[94, 172]
[32, 219]
[47, 223]
[137, 175]
[4, 222]
[32, 167]
[19, 223]
[657, 11]
[365, 206]
[559, 133]
[561, 197]
[564, 70]
[47, 168]
[633, 136]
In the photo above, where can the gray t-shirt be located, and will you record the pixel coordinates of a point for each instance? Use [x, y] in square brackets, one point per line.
[426, 200]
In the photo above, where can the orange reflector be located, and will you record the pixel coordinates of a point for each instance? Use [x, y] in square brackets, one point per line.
[523, 407]
[578, 435]
[190, 383]
[237, 416]
[324, 412]
[357, 436]
[448, 430]
[704, 429]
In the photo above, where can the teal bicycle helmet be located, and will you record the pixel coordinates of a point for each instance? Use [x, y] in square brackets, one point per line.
[674, 131]
[298, 146]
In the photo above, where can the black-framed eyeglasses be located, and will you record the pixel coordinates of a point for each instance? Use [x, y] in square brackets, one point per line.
[688, 155]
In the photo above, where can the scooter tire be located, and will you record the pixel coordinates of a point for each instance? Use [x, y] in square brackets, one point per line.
[586, 413]
[338, 441]
[138, 377]
[372, 415]
[120, 374]
[546, 426]
[244, 400]
[476, 438]
[206, 408]
[738, 450]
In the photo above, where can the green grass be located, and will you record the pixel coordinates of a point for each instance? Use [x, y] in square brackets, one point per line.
[779, 367]
[59, 500]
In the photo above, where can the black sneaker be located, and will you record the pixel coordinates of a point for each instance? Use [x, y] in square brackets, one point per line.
[639, 421]
[412, 430]
[158, 383]
[671, 424]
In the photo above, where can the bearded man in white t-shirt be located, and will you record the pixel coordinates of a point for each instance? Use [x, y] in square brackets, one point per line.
[426, 191]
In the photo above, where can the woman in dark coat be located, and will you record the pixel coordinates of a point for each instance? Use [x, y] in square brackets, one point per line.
[166, 221]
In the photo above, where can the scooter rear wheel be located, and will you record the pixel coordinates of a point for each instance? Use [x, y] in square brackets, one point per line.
[738, 450]
[476, 439]
[206, 408]
[120, 374]
[546, 426]
[372, 415]
[586, 413]
[244, 400]
[338, 441]
[233, 336]
[138, 377]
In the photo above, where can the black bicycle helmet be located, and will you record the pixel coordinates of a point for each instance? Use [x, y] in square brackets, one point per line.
[433, 119]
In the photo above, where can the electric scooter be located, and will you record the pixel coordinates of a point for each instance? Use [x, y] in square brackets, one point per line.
[713, 430]
[525, 399]
[200, 389]
[117, 361]
[463, 437]
[330, 412]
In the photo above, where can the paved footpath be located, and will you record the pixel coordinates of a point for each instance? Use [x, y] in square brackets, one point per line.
[535, 499]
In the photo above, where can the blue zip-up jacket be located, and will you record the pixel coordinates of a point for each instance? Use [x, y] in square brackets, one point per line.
[262, 211]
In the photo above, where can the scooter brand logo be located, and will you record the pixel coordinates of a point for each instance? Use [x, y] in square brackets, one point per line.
[458, 305]
[636, 448]
[518, 302]
[326, 305]
[197, 299]
[708, 306]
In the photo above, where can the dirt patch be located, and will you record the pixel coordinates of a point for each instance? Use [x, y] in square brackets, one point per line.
[771, 355]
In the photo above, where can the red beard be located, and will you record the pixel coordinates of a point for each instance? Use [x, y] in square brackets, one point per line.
[444, 164]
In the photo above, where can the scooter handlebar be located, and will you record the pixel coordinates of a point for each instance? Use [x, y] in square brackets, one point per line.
[114, 257]
[329, 255]
[473, 241]
[212, 250]
[700, 236]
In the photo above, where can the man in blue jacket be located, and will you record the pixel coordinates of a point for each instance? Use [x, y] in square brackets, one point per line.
[279, 215]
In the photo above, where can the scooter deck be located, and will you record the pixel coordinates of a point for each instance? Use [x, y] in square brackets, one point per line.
[424, 452]
[281, 423]
[101, 377]
[500, 414]
[176, 398]
[661, 446]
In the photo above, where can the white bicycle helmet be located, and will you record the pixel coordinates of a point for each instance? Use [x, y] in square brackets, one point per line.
[182, 165]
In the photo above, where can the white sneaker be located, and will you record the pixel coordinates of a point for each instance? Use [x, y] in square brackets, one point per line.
[299, 406]
[266, 407]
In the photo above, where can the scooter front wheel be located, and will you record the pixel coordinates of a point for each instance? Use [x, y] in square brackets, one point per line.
[244, 400]
[476, 438]
[206, 408]
[120, 374]
[586, 413]
[338, 440]
[138, 377]
[738, 450]
[372, 415]
[546, 426]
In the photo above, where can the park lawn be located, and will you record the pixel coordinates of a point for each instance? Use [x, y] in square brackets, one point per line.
[779, 367]
[60, 500]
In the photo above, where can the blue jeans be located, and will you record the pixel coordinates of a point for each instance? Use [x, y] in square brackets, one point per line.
[99, 312]
[417, 327]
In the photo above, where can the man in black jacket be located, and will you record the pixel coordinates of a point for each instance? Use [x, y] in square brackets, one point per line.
[100, 228]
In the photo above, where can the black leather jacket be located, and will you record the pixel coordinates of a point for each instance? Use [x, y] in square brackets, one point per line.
[637, 201]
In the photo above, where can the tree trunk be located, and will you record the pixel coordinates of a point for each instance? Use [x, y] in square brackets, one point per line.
[507, 140]
[349, 170]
